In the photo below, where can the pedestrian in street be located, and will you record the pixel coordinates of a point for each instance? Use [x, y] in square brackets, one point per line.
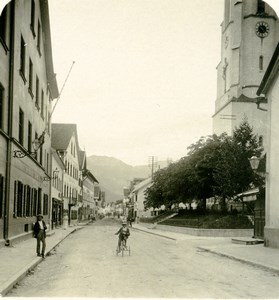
[40, 234]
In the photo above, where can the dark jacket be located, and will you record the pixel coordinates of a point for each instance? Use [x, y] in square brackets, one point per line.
[122, 233]
[36, 228]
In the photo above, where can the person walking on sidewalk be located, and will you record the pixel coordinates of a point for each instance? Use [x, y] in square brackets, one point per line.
[40, 234]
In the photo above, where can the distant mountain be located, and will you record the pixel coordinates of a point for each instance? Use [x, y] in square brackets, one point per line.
[113, 174]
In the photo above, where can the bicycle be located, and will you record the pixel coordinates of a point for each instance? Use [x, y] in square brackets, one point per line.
[123, 248]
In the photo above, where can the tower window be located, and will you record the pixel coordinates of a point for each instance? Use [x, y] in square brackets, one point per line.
[261, 7]
[261, 63]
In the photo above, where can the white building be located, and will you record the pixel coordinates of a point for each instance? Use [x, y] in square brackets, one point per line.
[270, 89]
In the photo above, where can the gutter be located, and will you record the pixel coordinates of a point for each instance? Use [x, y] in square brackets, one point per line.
[10, 124]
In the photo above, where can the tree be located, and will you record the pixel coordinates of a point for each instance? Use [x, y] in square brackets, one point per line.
[233, 173]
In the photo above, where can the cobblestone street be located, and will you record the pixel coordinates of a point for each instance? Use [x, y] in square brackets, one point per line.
[86, 265]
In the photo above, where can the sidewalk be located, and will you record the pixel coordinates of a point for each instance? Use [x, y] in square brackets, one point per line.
[17, 260]
[256, 255]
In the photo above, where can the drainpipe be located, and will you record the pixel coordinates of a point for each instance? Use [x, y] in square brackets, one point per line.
[10, 124]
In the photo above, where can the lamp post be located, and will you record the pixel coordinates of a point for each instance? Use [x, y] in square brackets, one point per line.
[259, 212]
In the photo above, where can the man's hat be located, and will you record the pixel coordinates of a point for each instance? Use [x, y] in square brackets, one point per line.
[40, 215]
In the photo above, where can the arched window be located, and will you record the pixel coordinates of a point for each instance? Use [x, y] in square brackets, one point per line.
[261, 7]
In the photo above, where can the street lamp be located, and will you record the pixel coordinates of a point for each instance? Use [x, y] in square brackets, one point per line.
[254, 162]
[37, 144]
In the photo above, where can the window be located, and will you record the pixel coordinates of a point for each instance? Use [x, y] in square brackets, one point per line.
[261, 7]
[29, 137]
[28, 201]
[42, 104]
[1, 106]
[18, 197]
[31, 78]
[32, 21]
[21, 127]
[23, 201]
[37, 92]
[1, 196]
[22, 59]
[36, 137]
[3, 28]
[39, 38]
[39, 201]
[261, 63]
[35, 201]
[47, 163]
[41, 155]
[45, 205]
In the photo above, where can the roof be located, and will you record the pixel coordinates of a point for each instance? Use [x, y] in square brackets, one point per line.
[58, 159]
[142, 184]
[270, 74]
[61, 135]
[51, 76]
[82, 159]
[91, 176]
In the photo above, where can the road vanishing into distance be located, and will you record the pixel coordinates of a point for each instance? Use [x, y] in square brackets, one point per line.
[86, 265]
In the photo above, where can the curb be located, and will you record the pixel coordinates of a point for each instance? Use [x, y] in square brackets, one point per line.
[9, 284]
[157, 234]
[248, 262]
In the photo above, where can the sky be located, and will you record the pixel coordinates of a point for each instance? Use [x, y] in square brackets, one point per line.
[143, 82]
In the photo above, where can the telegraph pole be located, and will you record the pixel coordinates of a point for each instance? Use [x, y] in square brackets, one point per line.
[152, 163]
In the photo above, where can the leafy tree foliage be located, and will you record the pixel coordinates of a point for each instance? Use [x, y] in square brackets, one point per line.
[215, 166]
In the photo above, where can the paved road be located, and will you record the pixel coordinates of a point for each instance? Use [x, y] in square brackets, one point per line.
[85, 265]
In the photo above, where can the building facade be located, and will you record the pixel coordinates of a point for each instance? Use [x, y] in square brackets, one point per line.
[64, 140]
[57, 182]
[27, 88]
[249, 36]
[138, 198]
[269, 88]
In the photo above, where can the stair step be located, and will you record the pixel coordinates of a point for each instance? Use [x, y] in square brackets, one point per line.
[247, 241]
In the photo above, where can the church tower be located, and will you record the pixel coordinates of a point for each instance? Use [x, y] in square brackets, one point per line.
[250, 33]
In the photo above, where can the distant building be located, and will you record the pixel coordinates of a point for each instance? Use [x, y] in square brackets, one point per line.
[65, 141]
[138, 198]
[57, 179]
[89, 206]
[27, 88]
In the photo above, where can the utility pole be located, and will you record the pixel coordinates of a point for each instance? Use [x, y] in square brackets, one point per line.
[152, 163]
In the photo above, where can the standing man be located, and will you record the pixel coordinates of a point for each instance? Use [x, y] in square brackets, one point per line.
[40, 234]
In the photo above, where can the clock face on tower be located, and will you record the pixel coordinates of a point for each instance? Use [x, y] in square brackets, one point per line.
[262, 29]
